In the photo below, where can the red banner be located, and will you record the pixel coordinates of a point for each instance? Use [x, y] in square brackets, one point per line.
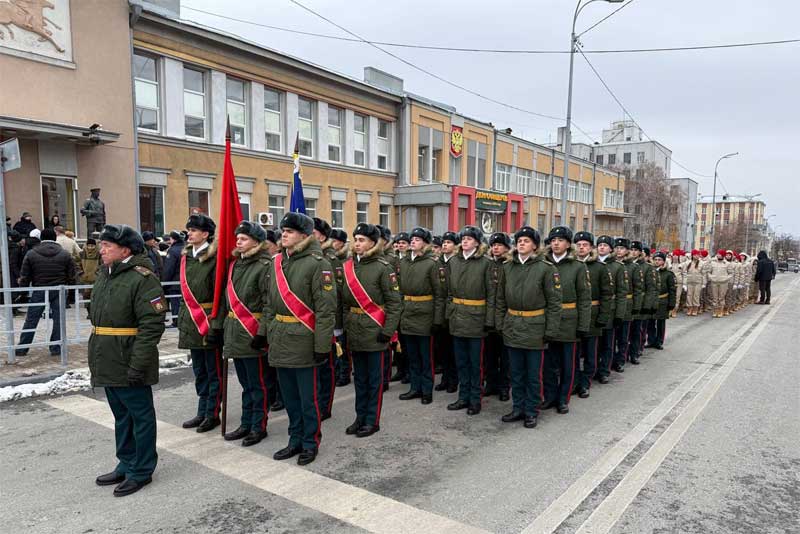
[297, 307]
[242, 313]
[196, 311]
[360, 294]
[456, 141]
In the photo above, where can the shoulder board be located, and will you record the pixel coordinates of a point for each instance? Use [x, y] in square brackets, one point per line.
[548, 262]
[265, 261]
[144, 271]
[317, 255]
[383, 261]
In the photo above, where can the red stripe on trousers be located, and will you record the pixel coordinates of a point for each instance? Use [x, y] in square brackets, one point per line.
[572, 378]
[541, 379]
[430, 355]
[316, 408]
[332, 365]
[480, 363]
[217, 401]
[263, 389]
[380, 395]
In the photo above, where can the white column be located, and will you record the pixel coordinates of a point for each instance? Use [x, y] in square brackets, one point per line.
[257, 139]
[320, 132]
[348, 139]
[290, 110]
[372, 143]
[218, 107]
[172, 106]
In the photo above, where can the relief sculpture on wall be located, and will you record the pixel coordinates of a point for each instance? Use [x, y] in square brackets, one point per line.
[36, 27]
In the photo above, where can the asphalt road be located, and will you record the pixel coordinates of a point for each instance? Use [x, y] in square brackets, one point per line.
[702, 437]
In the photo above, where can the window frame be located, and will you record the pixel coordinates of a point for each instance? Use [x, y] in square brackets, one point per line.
[279, 113]
[364, 136]
[337, 210]
[204, 118]
[386, 141]
[244, 104]
[339, 112]
[205, 192]
[157, 84]
[362, 215]
[300, 119]
[275, 207]
[504, 183]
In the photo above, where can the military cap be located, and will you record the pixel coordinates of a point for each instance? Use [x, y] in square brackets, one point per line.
[500, 237]
[527, 231]
[695, 252]
[272, 236]
[322, 226]
[637, 245]
[147, 236]
[370, 231]
[124, 236]
[175, 235]
[422, 233]
[251, 229]
[646, 250]
[91, 241]
[202, 222]
[437, 240]
[450, 236]
[721, 252]
[622, 242]
[704, 253]
[607, 239]
[660, 255]
[386, 233]
[339, 235]
[583, 236]
[297, 221]
[402, 236]
[472, 231]
[560, 231]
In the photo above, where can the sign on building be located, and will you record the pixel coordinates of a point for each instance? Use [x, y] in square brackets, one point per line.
[456, 141]
[490, 201]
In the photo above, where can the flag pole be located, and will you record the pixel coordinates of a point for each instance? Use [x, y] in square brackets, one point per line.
[224, 378]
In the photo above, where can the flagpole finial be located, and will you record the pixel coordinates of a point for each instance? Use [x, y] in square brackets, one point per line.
[297, 144]
[228, 128]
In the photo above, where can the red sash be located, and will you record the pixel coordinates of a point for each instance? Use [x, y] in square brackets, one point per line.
[242, 313]
[297, 307]
[360, 294]
[196, 312]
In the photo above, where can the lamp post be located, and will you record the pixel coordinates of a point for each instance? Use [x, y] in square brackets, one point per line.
[573, 43]
[714, 199]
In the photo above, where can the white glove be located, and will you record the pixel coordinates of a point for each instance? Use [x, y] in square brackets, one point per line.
[337, 332]
[685, 288]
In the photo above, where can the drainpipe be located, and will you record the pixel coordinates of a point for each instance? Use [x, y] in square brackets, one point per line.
[135, 13]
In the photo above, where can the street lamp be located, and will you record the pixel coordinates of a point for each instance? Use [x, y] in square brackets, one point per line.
[714, 199]
[573, 43]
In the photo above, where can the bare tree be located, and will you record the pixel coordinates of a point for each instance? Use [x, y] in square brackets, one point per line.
[730, 236]
[785, 246]
[655, 205]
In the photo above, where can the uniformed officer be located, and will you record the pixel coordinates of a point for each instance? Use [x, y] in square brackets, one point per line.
[657, 327]
[443, 342]
[622, 332]
[273, 386]
[326, 374]
[603, 305]
[246, 330]
[436, 247]
[127, 315]
[649, 280]
[528, 309]
[371, 305]
[576, 315]
[392, 355]
[344, 365]
[496, 363]
[470, 312]
[422, 315]
[196, 332]
[272, 242]
[402, 241]
[621, 308]
[301, 315]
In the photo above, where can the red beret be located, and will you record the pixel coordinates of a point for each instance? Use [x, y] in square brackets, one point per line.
[704, 253]
[696, 252]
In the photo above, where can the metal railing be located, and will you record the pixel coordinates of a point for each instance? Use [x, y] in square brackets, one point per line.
[71, 312]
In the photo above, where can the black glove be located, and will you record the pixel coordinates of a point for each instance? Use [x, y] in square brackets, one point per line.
[436, 329]
[320, 357]
[383, 338]
[617, 322]
[258, 342]
[135, 377]
[215, 337]
[487, 328]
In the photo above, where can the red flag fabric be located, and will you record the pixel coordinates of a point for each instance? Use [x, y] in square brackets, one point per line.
[230, 215]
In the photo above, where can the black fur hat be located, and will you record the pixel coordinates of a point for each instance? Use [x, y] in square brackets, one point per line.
[607, 239]
[251, 229]
[636, 245]
[369, 231]
[422, 233]
[386, 233]
[202, 222]
[273, 236]
[560, 231]
[622, 242]
[500, 237]
[437, 241]
[402, 236]
[322, 226]
[339, 235]
[583, 236]
[472, 231]
[124, 236]
[450, 236]
[527, 231]
[297, 221]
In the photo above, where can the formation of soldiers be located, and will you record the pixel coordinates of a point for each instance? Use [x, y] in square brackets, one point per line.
[530, 320]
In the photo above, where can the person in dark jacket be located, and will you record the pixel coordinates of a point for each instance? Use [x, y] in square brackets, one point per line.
[15, 254]
[443, 342]
[496, 363]
[172, 272]
[54, 221]
[151, 248]
[765, 274]
[46, 265]
[657, 327]
[25, 225]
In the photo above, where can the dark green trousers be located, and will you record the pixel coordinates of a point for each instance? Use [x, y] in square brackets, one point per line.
[299, 390]
[134, 430]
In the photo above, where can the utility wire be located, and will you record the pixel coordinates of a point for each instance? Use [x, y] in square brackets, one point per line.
[628, 113]
[499, 50]
[596, 24]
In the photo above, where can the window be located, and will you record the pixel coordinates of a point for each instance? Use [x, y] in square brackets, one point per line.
[272, 119]
[476, 164]
[640, 157]
[455, 170]
[383, 145]
[556, 220]
[360, 140]
[620, 199]
[542, 205]
[305, 126]
[151, 209]
[586, 223]
[599, 159]
[145, 82]
[237, 110]
[626, 157]
[436, 154]
[572, 222]
[612, 159]
[59, 198]
[311, 207]
[244, 202]
[362, 209]
[277, 207]
[572, 190]
[585, 194]
[334, 134]
[503, 175]
[541, 222]
[423, 153]
[198, 201]
[194, 103]
[524, 181]
[337, 213]
[540, 187]
[383, 214]
[556, 187]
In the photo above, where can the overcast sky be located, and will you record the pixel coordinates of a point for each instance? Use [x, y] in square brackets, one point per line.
[701, 104]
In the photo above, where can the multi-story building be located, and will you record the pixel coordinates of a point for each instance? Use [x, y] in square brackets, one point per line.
[684, 192]
[190, 79]
[742, 217]
[66, 95]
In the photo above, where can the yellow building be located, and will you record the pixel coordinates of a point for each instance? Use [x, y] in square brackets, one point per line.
[742, 215]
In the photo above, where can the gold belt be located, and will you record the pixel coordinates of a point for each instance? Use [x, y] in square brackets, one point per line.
[233, 315]
[111, 331]
[595, 303]
[628, 296]
[569, 306]
[526, 313]
[359, 311]
[207, 305]
[470, 302]
[663, 295]
[286, 318]
[418, 298]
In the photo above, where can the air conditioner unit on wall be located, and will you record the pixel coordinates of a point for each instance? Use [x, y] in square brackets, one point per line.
[265, 218]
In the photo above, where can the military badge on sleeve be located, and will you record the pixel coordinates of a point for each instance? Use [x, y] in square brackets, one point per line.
[339, 275]
[393, 280]
[327, 280]
[159, 304]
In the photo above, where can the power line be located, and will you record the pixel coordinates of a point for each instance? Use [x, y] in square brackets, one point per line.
[628, 113]
[498, 50]
[620, 8]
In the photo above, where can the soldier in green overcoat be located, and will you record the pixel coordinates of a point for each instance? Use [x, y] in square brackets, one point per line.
[649, 285]
[622, 251]
[326, 373]
[443, 341]
[657, 327]
[621, 308]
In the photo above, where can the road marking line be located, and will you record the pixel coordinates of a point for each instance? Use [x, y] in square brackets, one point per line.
[608, 512]
[350, 504]
[560, 509]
